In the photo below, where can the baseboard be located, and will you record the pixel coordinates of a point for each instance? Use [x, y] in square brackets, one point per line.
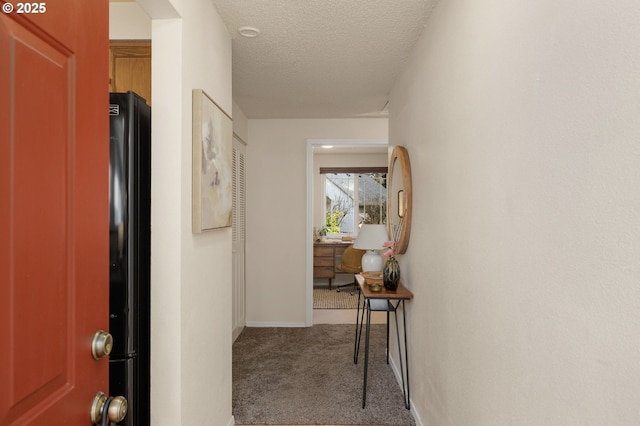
[274, 324]
[415, 414]
[236, 333]
[396, 373]
[232, 421]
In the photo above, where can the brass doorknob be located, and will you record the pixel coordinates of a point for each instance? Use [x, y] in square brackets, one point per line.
[116, 410]
[101, 344]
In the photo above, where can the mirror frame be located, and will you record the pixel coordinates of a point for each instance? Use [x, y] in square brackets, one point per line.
[399, 162]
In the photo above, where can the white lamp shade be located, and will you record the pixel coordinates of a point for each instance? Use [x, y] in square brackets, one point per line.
[371, 237]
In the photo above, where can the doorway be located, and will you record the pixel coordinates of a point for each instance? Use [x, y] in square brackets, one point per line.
[340, 147]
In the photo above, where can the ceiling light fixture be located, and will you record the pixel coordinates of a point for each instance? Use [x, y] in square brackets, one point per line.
[249, 32]
[327, 146]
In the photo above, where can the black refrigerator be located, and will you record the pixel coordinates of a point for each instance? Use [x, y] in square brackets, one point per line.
[130, 253]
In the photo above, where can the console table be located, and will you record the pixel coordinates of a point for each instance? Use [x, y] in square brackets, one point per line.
[385, 301]
[324, 258]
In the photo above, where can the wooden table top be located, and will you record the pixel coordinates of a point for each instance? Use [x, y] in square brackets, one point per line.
[401, 293]
[332, 243]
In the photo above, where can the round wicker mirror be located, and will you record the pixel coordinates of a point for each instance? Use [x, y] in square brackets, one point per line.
[399, 196]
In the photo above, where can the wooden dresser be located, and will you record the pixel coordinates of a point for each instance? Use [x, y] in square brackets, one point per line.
[324, 258]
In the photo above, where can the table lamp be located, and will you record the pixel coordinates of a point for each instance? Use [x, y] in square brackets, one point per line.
[371, 238]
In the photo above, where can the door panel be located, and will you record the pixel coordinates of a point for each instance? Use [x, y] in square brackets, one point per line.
[54, 214]
[39, 240]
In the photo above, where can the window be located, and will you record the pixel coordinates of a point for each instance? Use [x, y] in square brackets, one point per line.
[354, 196]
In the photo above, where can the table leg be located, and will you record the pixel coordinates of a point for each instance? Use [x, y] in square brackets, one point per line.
[356, 342]
[366, 354]
[359, 333]
[404, 392]
[406, 356]
[388, 332]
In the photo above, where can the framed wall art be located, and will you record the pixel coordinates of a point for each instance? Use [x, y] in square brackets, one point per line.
[212, 167]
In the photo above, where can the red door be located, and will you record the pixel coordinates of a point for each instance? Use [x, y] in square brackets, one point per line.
[53, 209]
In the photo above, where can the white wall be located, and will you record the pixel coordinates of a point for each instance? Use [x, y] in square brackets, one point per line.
[522, 120]
[240, 123]
[128, 21]
[277, 234]
[191, 274]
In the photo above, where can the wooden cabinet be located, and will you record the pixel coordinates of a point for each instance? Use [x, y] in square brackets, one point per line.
[130, 67]
[324, 258]
[324, 262]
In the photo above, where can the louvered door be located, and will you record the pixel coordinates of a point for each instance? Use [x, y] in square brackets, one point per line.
[238, 232]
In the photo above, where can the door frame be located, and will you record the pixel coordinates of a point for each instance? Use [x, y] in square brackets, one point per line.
[311, 144]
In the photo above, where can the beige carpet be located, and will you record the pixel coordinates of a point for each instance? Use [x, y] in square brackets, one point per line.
[323, 298]
[306, 376]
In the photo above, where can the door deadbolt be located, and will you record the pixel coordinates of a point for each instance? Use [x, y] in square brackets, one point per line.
[101, 344]
[114, 408]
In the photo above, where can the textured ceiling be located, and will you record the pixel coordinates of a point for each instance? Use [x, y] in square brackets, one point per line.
[320, 58]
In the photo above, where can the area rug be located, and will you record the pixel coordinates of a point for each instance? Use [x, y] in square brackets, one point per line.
[307, 376]
[323, 298]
